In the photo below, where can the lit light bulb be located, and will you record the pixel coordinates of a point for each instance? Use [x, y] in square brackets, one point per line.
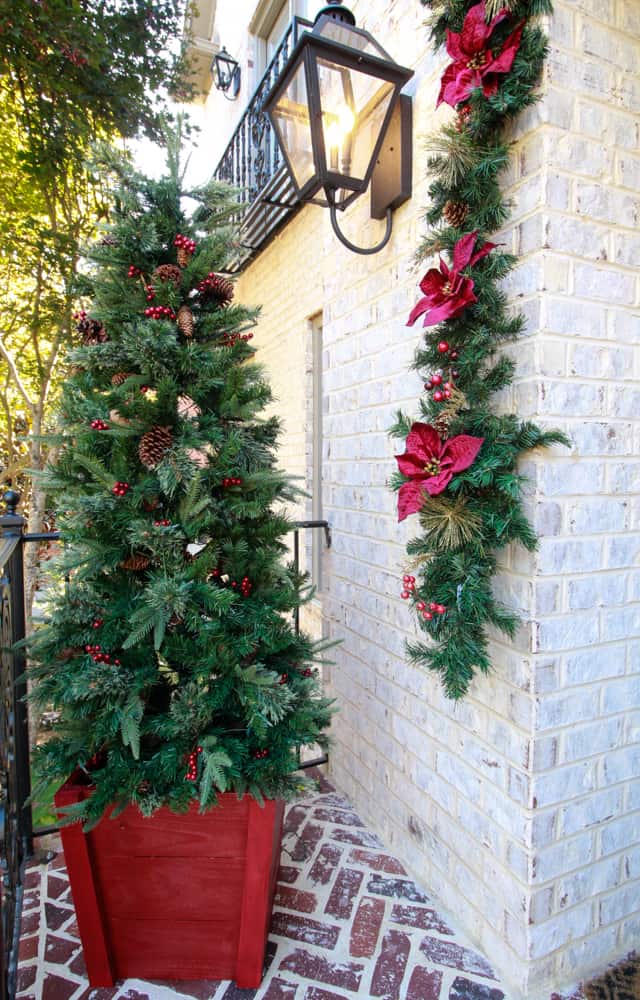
[337, 133]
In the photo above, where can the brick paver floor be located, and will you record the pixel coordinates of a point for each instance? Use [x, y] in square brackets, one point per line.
[348, 923]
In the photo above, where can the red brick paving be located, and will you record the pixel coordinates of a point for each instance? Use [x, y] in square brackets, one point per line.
[354, 927]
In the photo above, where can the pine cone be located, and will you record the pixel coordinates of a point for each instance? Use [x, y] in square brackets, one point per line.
[120, 377]
[455, 212]
[184, 256]
[92, 331]
[215, 288]
[136, 562]
[153, 445]
[168, 272]
[185, 321]
[441, 424]
[68, 653]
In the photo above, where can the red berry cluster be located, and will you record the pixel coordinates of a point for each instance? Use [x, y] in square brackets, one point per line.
[444, 348]
[441, 390]
[184, 243]
[159, 312]
[98, 656]
[192, 765]
[409, 586]
[144, 388]
[231, 339]
[99, 425]
[150, 292]
[98, 623]
[245, 584]
[284, 678]
[120, 489]
[261, 754]
[308, 672]
[231, 481]
[133, 272]
[464, 113]
[433, 609]
[164, 523]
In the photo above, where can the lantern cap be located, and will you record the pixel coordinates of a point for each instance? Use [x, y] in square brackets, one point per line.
[337, 12]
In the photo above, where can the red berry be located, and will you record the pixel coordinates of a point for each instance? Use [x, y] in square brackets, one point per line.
[443, 347]
[404, 595]
[441, 609]
[436, 379]
[427, 616]
[447, 394]
[454, 356]
[455, 373]
[421, 606]
[438, 396]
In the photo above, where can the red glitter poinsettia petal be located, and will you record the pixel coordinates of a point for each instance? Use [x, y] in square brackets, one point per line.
[475, 30]
[411, 465]
[462, 451]
[438, 484]
[448, 77]
[462, 83]
[421, 307]
[424, 441]
[432, 282]
[410, 499]
[463, 251]
[448, 310]
[486, 249]
[490, 86]
[454, 47]
[504, 62]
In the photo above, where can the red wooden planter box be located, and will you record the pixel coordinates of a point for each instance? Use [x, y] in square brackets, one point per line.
[174, 896]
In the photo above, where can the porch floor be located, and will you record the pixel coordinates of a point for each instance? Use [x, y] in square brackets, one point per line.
[348, 923]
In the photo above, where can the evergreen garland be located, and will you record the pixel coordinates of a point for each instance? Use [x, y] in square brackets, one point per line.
[170, 653]
[479, 509]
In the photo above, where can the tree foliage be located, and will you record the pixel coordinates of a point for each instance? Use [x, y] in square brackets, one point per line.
[171, 655]
[71, 73]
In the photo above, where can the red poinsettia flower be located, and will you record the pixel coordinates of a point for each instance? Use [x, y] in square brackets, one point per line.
[474, 65]
[447, 292]
[431, 463]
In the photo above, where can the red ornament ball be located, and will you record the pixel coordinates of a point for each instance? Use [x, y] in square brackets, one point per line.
[438, 396]
[443, 347]
[436, 379]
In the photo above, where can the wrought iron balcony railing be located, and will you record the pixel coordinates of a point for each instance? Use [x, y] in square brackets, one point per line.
[253, 163]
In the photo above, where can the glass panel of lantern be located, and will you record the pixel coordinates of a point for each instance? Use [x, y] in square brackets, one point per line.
[353, 106]
[290, 118]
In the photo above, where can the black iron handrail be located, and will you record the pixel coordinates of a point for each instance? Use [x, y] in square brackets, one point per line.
[16, 823]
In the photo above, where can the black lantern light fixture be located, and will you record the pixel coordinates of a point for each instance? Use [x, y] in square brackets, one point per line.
[226, 73]
[341, 121]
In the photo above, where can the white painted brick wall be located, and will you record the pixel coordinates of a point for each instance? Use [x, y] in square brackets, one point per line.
[519, 807]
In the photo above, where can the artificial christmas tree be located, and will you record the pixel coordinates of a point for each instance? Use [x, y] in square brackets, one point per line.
[165, 653]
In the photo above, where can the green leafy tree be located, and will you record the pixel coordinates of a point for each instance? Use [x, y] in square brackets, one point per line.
[71, 73]
[171, 654]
